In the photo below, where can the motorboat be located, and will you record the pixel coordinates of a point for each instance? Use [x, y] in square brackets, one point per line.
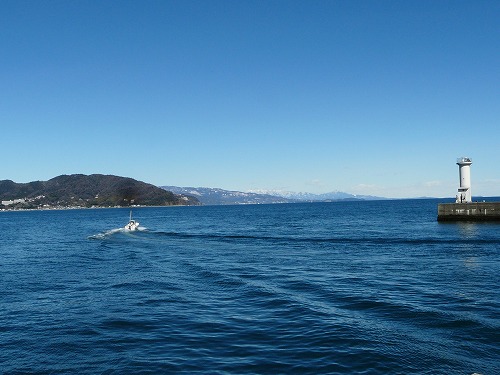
[132, 224]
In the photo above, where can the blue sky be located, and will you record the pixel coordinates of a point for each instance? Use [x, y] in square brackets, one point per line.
[367, 97]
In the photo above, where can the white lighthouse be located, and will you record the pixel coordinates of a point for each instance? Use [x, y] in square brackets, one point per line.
[464, 194]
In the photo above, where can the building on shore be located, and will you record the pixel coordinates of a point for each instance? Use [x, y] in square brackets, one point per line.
[14, 201]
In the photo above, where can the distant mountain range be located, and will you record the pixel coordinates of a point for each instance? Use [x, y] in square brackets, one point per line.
[98, 190]
[311, 197]
[80, 190]
[216, 196]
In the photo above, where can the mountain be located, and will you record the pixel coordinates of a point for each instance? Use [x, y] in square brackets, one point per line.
[302, 196]
[311, 197]
[216, 196]
[87, 191]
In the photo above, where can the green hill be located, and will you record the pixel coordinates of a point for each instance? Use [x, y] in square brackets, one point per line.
[88, 191]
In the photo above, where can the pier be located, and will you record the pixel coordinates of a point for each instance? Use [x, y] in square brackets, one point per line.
[476, 211]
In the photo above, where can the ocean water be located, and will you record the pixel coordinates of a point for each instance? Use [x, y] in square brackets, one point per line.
[326, 288]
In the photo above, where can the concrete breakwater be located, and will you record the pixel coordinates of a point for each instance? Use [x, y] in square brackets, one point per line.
[476, 211]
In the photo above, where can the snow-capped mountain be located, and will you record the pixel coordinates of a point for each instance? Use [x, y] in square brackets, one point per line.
[216, 196]
[303, 196]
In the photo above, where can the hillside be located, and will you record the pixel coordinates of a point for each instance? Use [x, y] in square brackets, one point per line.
[87, 191]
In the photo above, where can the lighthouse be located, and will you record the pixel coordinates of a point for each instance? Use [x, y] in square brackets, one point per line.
[464, 209]
[464, 194]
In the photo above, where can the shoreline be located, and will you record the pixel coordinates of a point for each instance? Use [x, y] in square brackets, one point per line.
[62, 208]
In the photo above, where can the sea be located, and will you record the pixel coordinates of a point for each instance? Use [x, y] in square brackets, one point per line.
[360, 287]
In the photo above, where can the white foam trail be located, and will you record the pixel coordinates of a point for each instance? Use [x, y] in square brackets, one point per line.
[107, 234]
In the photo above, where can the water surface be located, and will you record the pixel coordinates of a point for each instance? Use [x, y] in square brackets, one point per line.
[350, 287]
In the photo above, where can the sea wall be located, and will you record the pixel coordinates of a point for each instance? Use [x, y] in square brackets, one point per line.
[477, 211]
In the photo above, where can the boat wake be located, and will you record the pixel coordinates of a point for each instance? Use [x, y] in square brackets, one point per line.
[116, 232]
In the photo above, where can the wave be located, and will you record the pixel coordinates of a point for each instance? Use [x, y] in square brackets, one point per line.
[374, 240]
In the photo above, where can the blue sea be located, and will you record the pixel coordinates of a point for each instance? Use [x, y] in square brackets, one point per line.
[374, 287]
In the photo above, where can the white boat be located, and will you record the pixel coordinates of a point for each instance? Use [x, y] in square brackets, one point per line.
[132, 224]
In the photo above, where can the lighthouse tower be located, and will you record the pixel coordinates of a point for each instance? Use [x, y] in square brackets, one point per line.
[464, 194]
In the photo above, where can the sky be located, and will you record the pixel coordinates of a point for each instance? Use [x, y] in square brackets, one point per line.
[366, 97]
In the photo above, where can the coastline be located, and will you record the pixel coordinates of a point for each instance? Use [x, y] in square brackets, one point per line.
[63, 208]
